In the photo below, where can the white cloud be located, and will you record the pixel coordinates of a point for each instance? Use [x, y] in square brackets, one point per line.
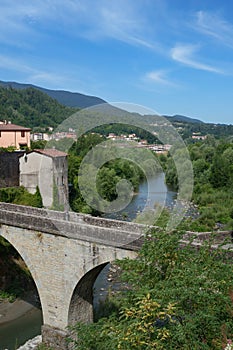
[215, 26]
[185, 55]
[159, 76]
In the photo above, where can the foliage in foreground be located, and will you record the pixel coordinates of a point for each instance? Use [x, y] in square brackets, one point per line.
[19, 195]
[178, 299]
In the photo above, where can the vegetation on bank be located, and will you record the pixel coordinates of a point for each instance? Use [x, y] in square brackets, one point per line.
[178, 299]
[108, 176]
[212, 162]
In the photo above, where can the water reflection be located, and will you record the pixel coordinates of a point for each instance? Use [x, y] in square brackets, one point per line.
[17, 332]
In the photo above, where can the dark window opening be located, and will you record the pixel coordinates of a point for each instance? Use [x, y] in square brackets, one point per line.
[23, 146]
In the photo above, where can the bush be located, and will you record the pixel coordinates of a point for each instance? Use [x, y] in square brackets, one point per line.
[19, 195]
[179, 298]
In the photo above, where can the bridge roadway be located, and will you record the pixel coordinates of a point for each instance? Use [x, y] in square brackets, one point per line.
[65, 252]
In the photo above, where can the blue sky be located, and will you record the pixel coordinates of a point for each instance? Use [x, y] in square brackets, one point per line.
[172, 56]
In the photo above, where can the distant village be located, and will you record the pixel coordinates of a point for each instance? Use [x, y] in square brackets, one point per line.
[46, 168]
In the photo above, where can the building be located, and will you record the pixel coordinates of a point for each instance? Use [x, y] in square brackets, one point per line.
[9, 166]
[40, 136]
[12, 135]
[47, 169]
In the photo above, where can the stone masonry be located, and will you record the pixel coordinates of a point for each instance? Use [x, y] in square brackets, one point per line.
[65, 253]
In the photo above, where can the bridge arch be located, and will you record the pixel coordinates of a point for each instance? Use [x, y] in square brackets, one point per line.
[29, 286]
[81, 303]
[28, 262]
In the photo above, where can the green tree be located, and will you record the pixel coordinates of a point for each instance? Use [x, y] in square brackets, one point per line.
[178, 298]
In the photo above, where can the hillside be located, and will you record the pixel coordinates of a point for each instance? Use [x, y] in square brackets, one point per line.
[31, 108]
[67, 98]
[182, 119]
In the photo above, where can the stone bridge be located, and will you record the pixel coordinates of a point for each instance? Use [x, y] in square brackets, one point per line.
[65, 252]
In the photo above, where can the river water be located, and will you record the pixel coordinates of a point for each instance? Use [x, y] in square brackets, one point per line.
[151, 192]
[17, 332]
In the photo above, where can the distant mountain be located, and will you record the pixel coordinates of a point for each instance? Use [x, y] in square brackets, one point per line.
[67, 98]
[32, 108]
[182, 119]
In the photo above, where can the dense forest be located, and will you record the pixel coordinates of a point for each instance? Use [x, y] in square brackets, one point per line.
[32, 108]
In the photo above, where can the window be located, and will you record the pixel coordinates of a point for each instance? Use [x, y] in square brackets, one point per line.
[22, 133]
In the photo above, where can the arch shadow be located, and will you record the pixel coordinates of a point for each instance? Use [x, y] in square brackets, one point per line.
[24, 281]
[81, 304]
[15, 269]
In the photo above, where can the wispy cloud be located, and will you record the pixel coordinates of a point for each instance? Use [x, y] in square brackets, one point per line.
[159, 77]
[214, 26]
[121, 20]
[12, 64]
[185, 54]
[31, 74]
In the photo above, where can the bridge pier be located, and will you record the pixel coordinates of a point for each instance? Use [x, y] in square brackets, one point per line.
[55, 338]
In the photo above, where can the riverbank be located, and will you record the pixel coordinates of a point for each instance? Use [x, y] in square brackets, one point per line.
[11, 311]
[31, 344]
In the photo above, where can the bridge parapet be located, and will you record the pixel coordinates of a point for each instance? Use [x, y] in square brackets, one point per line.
[72, 225]
[73, 217]
[88, 228]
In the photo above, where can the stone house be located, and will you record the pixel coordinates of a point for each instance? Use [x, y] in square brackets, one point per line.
[47, 169]
[14, 135]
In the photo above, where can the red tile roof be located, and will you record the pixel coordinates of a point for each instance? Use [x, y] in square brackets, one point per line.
[13, 127]
[50, 152]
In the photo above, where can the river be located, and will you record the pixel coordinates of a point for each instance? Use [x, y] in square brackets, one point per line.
[159, 193]
[17, 332]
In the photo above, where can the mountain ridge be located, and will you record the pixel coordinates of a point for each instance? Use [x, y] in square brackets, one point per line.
[79, 100]
[67, 98]
[183, 119]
